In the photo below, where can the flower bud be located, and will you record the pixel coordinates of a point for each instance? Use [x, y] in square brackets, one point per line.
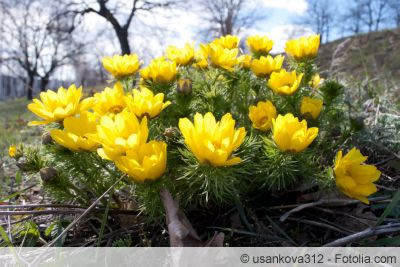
[47, 174]
[171, 132]
[184, 87]
[46, 139]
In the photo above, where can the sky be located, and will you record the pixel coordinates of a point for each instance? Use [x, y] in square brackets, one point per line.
[180, 27]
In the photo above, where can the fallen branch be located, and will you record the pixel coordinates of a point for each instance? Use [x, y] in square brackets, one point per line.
[386, 229]
[68, 211]
[320, 224]
[28, 206]
[330, 202]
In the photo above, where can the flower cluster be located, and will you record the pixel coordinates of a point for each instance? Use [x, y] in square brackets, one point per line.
[112, 122]
[225, 103]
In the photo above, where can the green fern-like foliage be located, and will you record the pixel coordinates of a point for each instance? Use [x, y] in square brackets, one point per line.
[201, 184]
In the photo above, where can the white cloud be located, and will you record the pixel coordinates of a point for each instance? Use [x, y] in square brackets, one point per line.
[294, 6]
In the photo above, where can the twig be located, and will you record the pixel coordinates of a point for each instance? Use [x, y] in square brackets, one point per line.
[320, 224]
[72, 211]
[83, 214]
[359, 219]
[386, 188]
[386, 229]
[333, 201]
[14, 222]
[27, 206]
[384, 161]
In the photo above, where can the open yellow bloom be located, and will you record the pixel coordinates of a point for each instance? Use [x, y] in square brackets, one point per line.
[160, 71]
[12, 151]
[311, 105]
[147, 162]
[285, 83]
[110, 101]
[54, 107]
[121, 66]
[261, 115]
[353, 177]
[303, 47]
[316, 81]
[223, 57]
[201, 56]
[244, 61]
[227, 41]
[266, 65]
[259, 44]
[75, 130]
[210, 141]
[182, 56]
[144, 102]
[290, 134]
[119, 134]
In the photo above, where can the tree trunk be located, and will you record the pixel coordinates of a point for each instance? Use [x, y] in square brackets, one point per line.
[122, 34]
[43, 84]
[31, 81]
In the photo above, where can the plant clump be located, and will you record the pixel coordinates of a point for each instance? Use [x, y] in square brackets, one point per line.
[212, 125]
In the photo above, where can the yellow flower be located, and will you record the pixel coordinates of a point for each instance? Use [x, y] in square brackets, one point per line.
[259, 44]
[303, 47]
[353, 177]
[12, 151]
[266, 65]
[210, 141]
[262, 115]
[181, 56]
[201, 56]
[147, 162]
[311, 105]
[75, 130]
[290, 134]
[223, 57]
[285, 83]
[244, 61]
[160, 71]
[119, 134]
[110, 101]
[54, 107]
[227, 41]
[316, 81]
[144, 102]
[121, 66]
[145, 73]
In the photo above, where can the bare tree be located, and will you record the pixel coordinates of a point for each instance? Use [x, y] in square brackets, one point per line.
[366, 15]
[353, 18]
[26, 38]
[319, 17]
[38, 40]
[115, 13]
[227, 16]
[61, 46]
[374, 13]
[394, 6]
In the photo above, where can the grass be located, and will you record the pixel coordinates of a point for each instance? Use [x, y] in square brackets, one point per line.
[14, 117]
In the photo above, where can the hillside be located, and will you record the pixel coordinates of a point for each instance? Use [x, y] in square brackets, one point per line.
[375, 55]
